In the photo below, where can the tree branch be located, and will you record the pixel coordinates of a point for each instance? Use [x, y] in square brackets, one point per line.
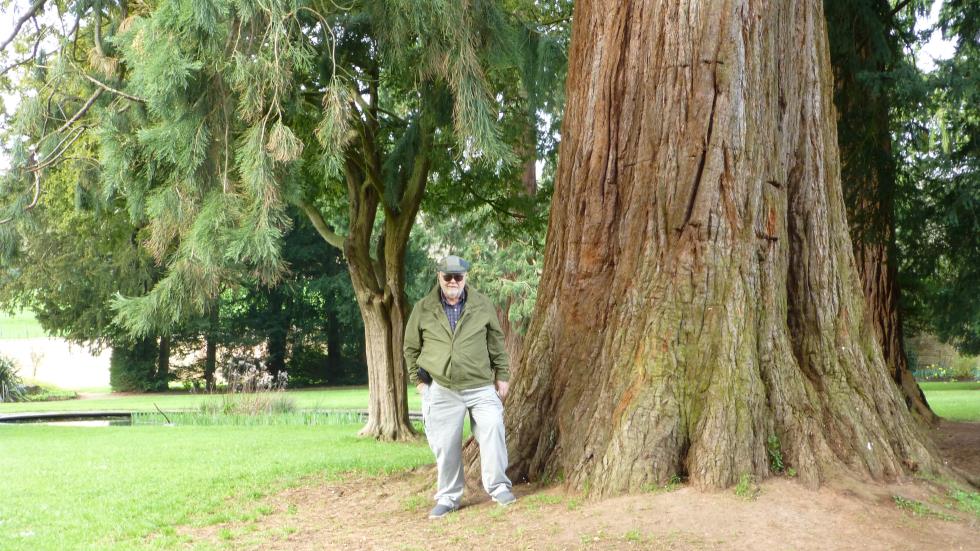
[31, 12]
[898, 7]
[75, 117]
[415, 188]
[320, 224]
[108, 88]
[37, 195]
[28, 59]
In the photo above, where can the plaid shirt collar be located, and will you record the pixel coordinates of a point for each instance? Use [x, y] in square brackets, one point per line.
[453, 312]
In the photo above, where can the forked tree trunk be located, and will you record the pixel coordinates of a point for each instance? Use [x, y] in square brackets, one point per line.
[379, 285]
[384, 330]
[699, 293]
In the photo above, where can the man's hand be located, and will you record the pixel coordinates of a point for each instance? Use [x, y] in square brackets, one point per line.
[420, 387]
[502, 387]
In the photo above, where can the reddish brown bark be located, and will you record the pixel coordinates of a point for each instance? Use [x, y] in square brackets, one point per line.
[868, 179]
[699, 293]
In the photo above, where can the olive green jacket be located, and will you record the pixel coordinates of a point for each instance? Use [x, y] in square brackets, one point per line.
[472, 357]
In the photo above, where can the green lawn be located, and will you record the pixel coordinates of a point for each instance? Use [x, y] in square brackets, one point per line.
[20, 326]
[110, 488]
[335, 398]
[954, 401]
[130, 487]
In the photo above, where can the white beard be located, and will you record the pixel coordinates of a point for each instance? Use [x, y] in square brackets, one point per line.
[452, 293]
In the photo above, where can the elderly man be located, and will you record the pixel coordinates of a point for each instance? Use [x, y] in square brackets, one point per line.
[454, 349]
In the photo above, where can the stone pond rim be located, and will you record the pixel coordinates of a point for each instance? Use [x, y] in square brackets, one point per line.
[36, 417]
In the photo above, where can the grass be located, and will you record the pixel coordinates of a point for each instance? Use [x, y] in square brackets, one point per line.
[746, 488]
[319, 399]
[20, 326]
[919, 509]
[954, 401]
[129, 487]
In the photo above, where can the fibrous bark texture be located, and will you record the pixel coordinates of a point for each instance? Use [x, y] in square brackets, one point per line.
[868, 178]
[699, 293]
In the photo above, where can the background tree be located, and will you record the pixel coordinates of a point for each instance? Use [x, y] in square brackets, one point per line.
[210, 134]
[873, 78]
[699, 294]
[939, 214]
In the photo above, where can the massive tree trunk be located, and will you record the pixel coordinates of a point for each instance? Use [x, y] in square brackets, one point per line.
[699, 293]
[862, 45]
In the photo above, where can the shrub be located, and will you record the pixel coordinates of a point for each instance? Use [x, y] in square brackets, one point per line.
[965, 368]
[11, 386]
[133, 368]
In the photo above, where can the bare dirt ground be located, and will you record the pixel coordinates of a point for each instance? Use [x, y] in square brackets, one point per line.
[390, 513]
[57, 362]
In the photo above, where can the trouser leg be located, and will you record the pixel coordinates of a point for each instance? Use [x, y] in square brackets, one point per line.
[487, 414]
[444, 414]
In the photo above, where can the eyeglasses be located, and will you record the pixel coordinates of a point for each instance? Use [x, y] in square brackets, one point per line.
[449, 277]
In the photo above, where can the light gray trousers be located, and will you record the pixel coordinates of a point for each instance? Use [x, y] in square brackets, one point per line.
[443, 411]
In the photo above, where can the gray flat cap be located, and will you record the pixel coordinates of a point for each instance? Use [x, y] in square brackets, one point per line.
[453, 265]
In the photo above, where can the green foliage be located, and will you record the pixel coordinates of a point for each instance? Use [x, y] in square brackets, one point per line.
[10, 381]
[967, 501]
[672, 484]
[747, 488]
[775, 454]
[939, 144]
[133, 368]
[919, 509]
[962, 368]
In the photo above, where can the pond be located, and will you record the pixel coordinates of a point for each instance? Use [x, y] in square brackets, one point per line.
[108, 419]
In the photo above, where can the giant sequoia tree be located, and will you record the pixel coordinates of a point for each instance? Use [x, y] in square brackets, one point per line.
[699, 293]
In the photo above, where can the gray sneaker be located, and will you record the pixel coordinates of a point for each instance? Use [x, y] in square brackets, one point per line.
[440, 511]
[504, 498]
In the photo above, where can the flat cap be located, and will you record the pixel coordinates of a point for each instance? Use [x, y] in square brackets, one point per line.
[453, 265]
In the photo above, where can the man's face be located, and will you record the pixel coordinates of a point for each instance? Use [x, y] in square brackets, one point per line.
[452, 289]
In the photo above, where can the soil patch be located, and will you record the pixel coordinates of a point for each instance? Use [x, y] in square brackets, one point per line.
[390, 513]
[959, 444]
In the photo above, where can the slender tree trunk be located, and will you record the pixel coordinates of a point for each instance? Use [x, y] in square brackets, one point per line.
[868, 176]
[211, 349]
[335, 357]
[163, 362]
[278, 334]
[699, 294]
